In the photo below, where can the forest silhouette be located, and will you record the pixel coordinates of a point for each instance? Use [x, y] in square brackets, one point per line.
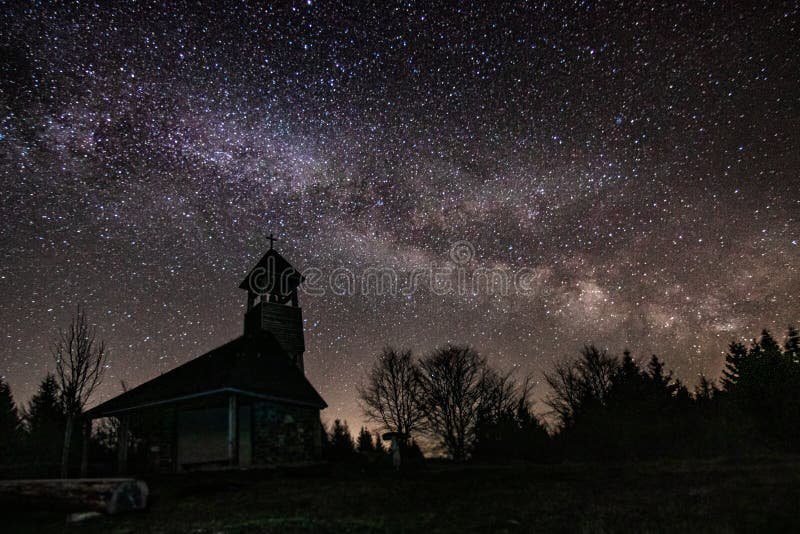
[602, 406]
[453, 403]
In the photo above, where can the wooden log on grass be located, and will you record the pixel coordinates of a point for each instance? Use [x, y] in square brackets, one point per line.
[107, 495]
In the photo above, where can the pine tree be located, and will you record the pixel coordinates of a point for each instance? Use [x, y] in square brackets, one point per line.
[46, 419]
[628, 369]
[364, 443]
[763, 384]
[792, 345]
[734, 360]
[769, 347]
[341, 442]
[705, 390]
[10, 425]
[655, 369]
[412, 452]
[325, 439]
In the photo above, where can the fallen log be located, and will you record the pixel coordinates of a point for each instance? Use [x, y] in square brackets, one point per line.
[107, 495]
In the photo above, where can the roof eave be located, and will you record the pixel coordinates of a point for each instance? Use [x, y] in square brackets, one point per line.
[97, 412]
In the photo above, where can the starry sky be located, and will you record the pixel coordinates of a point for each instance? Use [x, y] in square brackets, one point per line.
[641, 160]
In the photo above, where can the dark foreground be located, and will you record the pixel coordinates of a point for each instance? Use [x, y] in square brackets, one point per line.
[717, 496]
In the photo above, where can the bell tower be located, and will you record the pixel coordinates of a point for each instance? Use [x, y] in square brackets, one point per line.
[272, 303]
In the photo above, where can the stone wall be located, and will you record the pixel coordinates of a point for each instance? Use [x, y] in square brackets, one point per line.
[284, 433]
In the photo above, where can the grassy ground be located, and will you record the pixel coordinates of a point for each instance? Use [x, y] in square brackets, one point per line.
[757, 496]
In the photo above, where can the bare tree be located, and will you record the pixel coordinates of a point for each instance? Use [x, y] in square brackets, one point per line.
[454, 383]
[577, 383]
[390, 393]
[502, 395]
[80, 363]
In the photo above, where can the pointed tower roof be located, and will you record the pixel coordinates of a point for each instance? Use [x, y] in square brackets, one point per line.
[272, 274]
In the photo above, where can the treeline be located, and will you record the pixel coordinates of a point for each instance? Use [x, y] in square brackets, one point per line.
[45, 438]
[453, 402]
[338, 445]
[32, 436]
[602, 406]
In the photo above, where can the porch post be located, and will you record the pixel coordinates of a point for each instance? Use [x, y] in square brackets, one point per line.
[122, 445]
[87, 435]
[233, 432]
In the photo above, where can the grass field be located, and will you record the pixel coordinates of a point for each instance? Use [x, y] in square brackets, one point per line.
[754, 496]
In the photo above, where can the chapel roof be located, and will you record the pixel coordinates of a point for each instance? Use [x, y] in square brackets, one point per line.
[253, 365]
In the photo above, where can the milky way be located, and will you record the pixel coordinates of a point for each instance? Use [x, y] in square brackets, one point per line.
[643, 163]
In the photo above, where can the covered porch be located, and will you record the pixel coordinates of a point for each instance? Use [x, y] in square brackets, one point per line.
[211, 430]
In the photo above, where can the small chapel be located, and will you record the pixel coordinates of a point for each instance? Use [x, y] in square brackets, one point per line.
[245, 403]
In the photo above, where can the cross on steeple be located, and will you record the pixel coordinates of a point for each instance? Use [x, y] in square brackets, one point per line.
[271, 240]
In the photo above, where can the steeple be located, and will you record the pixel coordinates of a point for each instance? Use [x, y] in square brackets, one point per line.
[272, 303]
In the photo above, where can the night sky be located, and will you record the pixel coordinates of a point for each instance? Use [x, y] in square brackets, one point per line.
[642, 162]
